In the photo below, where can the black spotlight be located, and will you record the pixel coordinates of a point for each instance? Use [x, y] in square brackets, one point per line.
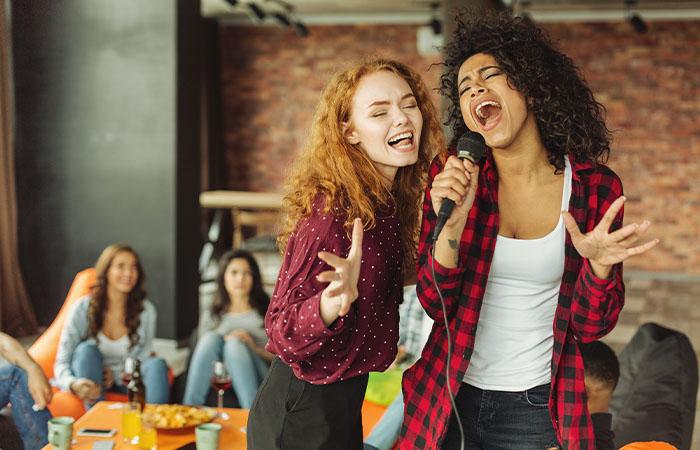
[436, 26]
[639, 25]
[257, 11]
[282, 19]
[300, 29]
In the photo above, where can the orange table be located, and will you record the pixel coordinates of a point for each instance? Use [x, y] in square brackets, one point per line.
[108, 415]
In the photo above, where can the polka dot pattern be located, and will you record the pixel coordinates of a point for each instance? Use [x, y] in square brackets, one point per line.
[362, 341]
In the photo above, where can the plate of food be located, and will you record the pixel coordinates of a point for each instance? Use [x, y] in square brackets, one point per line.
[177, 417]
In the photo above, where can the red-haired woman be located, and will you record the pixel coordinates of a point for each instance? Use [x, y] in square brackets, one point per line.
[332, 319]
[114, 322]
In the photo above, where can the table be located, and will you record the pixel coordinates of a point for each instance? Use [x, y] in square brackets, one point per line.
[108, 415]
[247, 208]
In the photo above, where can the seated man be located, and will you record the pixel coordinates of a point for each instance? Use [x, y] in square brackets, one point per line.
[24, 385]
[601, 372]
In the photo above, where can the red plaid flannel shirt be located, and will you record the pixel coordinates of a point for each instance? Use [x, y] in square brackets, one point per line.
[588, 308]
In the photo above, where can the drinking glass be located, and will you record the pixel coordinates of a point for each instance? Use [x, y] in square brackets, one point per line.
[220, 381]
[128, 370]
[148, 436]
[131, 422]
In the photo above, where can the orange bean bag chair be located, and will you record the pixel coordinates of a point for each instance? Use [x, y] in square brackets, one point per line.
[45, 347]
[651, 445]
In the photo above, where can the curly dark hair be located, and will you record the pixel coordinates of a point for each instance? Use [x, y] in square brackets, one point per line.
[600, 363]
[259, 300]
[568, 117]
[134, 301]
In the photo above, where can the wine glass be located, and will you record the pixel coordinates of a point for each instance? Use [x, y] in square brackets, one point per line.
[128, 370]
[221, 381]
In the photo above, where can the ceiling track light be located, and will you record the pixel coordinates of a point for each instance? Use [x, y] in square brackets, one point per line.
[281, 18]
[435, 23]
[521, 8]
[257, 11]
[300, 29]
[638, 24]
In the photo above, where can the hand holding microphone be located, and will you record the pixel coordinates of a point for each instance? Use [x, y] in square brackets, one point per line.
[454, 189]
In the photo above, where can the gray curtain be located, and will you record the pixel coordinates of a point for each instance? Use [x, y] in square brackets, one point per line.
[16, 314]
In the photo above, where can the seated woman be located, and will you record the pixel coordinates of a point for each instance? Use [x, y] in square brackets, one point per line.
[23, 383]
[236, 333]
[102, 329]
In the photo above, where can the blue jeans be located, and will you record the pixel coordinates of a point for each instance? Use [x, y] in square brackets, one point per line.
[87, 363]
[246, 368]
[386, 431]
[497, 420]
[32, 426]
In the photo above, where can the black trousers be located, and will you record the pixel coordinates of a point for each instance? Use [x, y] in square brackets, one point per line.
[290, 414]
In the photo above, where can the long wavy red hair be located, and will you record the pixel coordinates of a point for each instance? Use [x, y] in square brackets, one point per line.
[344, 174]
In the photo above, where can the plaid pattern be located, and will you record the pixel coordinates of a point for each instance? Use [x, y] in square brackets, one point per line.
[588, 308]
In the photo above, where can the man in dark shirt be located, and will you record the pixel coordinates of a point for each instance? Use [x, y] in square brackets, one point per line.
[601, 372]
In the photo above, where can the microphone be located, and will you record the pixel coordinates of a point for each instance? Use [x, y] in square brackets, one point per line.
[470, 146]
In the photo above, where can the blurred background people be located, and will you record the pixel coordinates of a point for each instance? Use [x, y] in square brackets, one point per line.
[102, 329]
[24, 385]
[235, 332]
[414, 329]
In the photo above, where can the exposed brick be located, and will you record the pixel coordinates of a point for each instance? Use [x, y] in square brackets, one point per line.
[649, 83]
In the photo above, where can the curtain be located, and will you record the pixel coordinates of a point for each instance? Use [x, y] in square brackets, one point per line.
[16, 313]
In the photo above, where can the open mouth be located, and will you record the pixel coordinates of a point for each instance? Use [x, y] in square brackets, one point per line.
[402, 141]
[487, 112]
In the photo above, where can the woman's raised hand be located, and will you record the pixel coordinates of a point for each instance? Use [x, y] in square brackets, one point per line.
[602, 248]
[458, 182]
[341, 291]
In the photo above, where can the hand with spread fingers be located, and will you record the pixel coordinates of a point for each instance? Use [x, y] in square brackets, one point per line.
[604, 249]
[341, 291]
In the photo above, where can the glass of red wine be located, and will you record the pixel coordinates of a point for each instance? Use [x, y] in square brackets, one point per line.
[221, 381]
[128, 370]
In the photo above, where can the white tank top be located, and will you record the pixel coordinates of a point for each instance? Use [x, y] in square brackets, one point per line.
[514, 336]
[113, 353]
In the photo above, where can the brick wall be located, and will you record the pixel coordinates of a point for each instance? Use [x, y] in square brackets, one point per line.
[649, 83]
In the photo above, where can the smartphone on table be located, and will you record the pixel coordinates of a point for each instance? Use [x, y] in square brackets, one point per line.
[97, 432]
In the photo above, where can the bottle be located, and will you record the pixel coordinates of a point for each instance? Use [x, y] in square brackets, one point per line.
[135, 390]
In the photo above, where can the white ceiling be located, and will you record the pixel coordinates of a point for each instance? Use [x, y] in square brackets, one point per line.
[407, 11]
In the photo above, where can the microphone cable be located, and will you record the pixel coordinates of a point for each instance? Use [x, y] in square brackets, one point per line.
[449, 350]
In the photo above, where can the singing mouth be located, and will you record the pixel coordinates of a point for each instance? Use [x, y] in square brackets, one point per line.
[485, 110]
[402, 140]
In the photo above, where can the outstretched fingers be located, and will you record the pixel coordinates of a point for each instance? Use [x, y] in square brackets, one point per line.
[638, 250]
[356, 240]
[571, 226]
[609, 216]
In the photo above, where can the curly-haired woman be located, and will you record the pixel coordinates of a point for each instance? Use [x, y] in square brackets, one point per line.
[519, 291]
[332, 318]
[235, 332]
[101, 329]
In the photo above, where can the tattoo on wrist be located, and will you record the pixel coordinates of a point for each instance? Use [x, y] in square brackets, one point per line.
[454, 245]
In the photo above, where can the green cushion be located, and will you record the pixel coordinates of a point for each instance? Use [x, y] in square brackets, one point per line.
[383, 387]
